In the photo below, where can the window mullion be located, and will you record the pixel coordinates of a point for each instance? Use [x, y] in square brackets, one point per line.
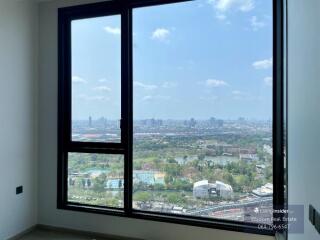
[127, 102]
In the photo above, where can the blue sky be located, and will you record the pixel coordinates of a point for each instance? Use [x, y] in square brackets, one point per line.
[195, 59]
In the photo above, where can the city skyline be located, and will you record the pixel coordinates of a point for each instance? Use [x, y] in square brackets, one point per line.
[177, 119]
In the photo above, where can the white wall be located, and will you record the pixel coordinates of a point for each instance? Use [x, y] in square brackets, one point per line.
[48, 214]
[18, 75]
[304, 108]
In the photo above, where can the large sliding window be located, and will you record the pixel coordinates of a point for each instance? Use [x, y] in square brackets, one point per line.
[173, 111]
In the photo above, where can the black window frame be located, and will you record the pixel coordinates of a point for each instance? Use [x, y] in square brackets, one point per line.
[66, 145]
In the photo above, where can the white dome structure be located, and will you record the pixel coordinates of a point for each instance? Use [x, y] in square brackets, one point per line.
[204, 189]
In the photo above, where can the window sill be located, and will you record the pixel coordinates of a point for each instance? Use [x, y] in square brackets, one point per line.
[175, 219]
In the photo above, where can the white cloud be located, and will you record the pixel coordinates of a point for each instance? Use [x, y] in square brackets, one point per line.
[238, 95]
[263, 64]
[268, 81]
[146, 98]
[78, 80]
[221, 16]
[98, 98]
[211, 99]
[93, 98]
[256, 24]
[102, 88]
[102, 80]
[113, 30]
[160, 34]
[237, 92]
[215, 83]
[144, 86]
[225, 5]
[243, 96]
[246, 5]
[169, 85]
[156, 97]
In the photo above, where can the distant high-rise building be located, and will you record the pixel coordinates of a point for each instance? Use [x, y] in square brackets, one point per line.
[212, 121]
[215, 123]
[192, 122]
[102, 122]
[90, 121]
[152, 122]
[105, 123]
[241, 119]
[220, 123]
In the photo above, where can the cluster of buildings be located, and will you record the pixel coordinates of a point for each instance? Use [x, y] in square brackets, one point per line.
[148, 177]
[267, 149]
[115, 182]
[98, 130]
[247, 154]
[152, 122]
[139, 176]
[190, 123]
[248, 157]
[201, 189]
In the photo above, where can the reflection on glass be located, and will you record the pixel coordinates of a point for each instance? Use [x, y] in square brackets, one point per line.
[96, 179]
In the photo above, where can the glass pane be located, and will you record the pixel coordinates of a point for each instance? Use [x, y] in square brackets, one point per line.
[96, 79]
[96, 179]
[203, 109]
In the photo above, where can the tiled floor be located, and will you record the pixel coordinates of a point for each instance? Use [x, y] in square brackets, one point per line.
[40, 234]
